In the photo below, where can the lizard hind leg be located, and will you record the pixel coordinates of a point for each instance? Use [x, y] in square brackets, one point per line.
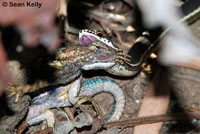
[19, 90]
[15, 91]
[47, 115]
[83, 99]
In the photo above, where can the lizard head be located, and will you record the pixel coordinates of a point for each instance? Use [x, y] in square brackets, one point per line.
[94, 52]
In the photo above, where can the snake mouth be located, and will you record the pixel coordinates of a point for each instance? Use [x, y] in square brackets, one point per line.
[87, 39]
[107, 59]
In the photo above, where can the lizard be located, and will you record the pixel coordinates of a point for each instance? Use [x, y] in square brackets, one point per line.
[43, 101]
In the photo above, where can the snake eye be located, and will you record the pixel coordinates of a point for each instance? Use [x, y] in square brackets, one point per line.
[98, 47]
[99, 34]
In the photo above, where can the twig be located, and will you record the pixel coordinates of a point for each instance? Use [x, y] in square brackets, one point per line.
[69, 113]
[155, 118]
[127, 44]
[45, 131]
[22, 127]
[186, 77]
[63, 12]
[105, 25]
[124, 19]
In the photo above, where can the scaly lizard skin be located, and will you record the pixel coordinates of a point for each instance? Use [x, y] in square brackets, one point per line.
[91, 87]
[68, 64]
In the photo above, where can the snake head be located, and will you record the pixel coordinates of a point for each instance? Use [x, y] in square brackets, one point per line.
[98, 56]
[106, 51]
[122, 65]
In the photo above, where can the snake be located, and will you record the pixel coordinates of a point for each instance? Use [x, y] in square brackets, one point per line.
[130, 64]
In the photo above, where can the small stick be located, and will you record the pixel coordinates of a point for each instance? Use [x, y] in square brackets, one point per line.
[69, 113]
[155, 118]
[45, 131]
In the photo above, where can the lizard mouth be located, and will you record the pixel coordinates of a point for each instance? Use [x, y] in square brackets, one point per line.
[87, 39]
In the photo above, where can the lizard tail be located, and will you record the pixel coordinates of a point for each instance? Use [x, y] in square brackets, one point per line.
[98, 85]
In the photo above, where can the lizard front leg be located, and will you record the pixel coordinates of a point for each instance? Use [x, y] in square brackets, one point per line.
[19, 90]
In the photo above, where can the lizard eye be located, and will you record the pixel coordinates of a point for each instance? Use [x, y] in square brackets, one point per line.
[99, 34]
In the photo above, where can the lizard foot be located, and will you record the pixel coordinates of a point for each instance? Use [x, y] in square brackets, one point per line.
[64, 94]
[83, 99]
[15, 90]
[46, 115]
[19, 90]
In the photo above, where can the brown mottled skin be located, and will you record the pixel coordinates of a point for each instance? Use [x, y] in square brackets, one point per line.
[65, 67]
